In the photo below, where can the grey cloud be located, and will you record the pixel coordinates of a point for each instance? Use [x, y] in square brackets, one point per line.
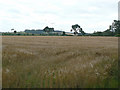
[29, 13]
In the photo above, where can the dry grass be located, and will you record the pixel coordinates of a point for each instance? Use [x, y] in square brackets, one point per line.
[59, 62]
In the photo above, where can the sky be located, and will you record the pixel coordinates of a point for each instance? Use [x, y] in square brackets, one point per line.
[119, 11]
[91, 15]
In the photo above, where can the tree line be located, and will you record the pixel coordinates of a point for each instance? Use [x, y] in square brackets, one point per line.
[113, 30]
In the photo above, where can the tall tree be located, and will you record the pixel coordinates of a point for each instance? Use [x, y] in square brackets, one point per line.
[76, 28]
[15, 32]
[116, 26]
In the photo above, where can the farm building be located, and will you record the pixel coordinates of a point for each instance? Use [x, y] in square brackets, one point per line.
[33, 31]
[46, 30]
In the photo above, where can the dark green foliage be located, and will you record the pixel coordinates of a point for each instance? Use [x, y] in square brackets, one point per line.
[97, 34]
[76, 27]
[63, 33]
[15, 31]
[114, 30]
[117, 35]
[117, 26]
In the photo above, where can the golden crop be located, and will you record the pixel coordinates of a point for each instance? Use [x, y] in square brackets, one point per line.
[59, 61]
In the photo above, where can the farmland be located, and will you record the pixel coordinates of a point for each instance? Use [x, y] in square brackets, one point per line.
[59, 62]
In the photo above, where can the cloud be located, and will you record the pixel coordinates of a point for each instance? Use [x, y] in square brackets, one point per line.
[92, 15]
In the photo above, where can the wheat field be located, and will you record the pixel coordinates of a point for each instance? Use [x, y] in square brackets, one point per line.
[59, 62]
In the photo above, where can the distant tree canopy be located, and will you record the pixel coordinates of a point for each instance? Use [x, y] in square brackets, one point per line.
[63, 32]
[15, 31]
[75, 26]
[116, 26]
[113, 29]
[47, 29]
[77, 29]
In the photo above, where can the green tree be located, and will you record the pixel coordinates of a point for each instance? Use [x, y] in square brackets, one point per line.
[63, 33]
[76, 28]
[114, 29]
[116, 26]
[15, 32]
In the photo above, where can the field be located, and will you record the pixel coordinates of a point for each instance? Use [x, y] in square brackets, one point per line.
[59, 62]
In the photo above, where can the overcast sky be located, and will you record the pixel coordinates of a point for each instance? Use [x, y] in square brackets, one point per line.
[91, 15]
